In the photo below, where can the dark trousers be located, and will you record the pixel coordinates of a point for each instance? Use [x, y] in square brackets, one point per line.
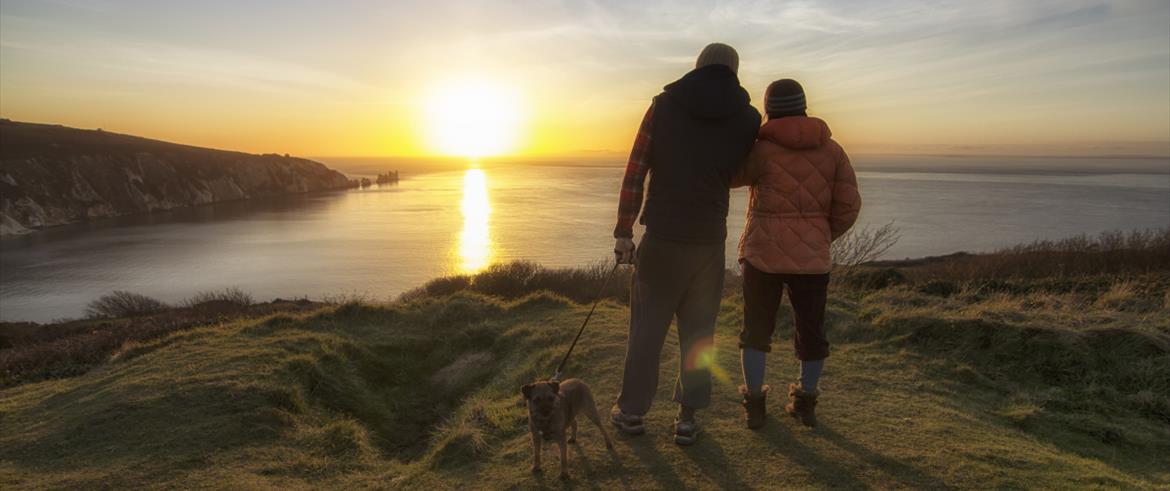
[807, 293]
[672, 279]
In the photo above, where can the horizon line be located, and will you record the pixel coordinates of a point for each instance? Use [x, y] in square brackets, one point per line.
[599, 153]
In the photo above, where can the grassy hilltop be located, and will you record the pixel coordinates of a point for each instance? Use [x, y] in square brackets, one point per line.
[936, 380]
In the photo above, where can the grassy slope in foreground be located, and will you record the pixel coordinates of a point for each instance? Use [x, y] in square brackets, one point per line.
[969, 390]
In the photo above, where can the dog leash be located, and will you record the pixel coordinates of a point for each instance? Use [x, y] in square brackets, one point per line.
[596, 300]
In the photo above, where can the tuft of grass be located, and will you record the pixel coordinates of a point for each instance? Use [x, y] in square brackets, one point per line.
[457, 442]
[1121, 296]
[124, 304]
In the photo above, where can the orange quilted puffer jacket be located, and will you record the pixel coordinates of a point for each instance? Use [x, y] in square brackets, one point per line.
[803, 196]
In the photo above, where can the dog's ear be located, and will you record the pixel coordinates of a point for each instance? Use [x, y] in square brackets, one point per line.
[527, 390]
[556, 386]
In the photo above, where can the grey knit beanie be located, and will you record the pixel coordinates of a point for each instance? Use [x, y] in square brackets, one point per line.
[718, 54]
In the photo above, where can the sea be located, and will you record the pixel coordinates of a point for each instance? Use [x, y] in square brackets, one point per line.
[381, 241]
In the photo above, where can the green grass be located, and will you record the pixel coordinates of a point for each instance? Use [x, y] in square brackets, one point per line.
[962, 390]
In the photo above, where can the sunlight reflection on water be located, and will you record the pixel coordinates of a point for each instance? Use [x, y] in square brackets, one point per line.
[475, 242]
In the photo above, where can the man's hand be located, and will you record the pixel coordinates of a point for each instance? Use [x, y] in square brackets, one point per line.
[623, 251]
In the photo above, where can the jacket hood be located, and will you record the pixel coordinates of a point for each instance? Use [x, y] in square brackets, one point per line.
[710, 92]
[796, 132]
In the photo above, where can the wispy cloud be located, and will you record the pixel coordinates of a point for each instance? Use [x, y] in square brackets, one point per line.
[137, 61]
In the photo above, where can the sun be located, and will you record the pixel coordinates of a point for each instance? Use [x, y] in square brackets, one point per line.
[473, 118]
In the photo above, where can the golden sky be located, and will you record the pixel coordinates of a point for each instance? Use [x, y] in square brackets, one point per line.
[363, 78]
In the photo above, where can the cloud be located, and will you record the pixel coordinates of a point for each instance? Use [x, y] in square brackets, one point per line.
[592, 59]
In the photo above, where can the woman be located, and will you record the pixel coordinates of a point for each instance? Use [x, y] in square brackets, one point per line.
[803, 196]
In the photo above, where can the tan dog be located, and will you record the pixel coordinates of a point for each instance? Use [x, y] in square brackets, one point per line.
[552, 408]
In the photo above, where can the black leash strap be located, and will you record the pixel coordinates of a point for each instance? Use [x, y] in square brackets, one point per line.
[596, 300]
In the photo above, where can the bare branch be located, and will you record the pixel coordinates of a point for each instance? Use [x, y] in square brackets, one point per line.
[863, 245]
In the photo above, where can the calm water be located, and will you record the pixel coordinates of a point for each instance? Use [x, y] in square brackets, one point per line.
[383, 241]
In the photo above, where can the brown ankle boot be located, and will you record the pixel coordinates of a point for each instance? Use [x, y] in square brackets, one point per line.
[755, 408]
[802, 405]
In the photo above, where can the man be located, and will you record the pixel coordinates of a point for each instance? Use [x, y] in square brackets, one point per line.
[692, 141]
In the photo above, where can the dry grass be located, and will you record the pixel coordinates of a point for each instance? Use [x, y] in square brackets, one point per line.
[1121, 296]
[1110, 253]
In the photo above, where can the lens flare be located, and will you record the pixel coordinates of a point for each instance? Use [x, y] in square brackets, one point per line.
[703, 356]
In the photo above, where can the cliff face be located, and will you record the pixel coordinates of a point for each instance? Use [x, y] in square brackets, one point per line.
[54, 175]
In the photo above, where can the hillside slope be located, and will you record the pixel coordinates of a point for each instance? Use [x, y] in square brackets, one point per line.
[922, 391]
[53, 175]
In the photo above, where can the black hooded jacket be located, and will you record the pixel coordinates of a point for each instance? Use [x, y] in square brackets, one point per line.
[704, 127]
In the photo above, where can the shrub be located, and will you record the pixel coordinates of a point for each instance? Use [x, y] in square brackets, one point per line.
[439, 287]
[124, 304]
[348, 298]
[233, 296]
[1109, 253]
[509, 280]
[518, 279]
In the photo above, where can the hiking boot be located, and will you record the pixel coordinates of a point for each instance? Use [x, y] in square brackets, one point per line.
[686, 432]
[755, 407]
[802, 405]
[627, 423]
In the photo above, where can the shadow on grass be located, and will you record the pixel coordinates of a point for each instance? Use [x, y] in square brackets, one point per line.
[903, 473]
[778, 434]
[662, 472]
[582, 470]
[585, 475]
[708, 456]
[1118, 437]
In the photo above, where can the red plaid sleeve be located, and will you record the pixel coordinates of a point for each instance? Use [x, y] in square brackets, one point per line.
[633, 184]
